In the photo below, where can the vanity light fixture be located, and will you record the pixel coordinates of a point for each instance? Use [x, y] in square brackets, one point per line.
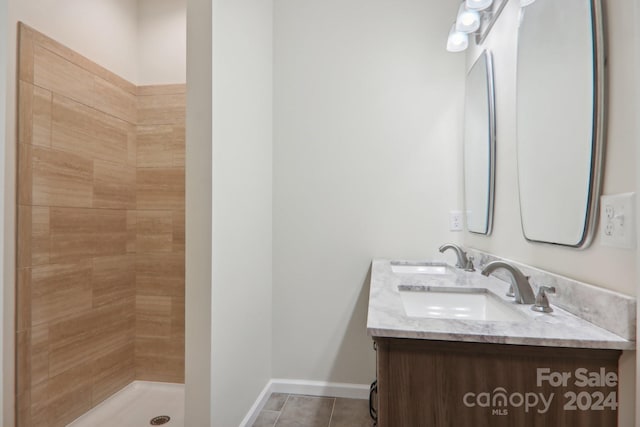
[478, 4]
[468, 20]
[457, 40]
[475, 17]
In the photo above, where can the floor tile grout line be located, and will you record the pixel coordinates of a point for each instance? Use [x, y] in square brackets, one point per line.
[281, 410]
[332, 409]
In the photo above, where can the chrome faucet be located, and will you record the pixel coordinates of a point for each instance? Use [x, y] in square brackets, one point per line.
[521, 286]
[463, 261]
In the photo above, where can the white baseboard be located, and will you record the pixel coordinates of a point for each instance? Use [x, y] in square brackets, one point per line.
[309, 388]
[320, 388]
[257, 406]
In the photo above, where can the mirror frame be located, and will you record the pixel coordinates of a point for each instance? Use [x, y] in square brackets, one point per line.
[488, 18]
[598, 129]
[491, 102]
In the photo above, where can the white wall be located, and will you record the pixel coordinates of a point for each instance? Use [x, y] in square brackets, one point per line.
[162, 42]
[242, 206]
[143, 41]
[102, 30]
[367, 118]
[198, 217]
[602, 266]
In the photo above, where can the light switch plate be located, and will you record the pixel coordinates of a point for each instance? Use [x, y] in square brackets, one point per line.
[618, 221]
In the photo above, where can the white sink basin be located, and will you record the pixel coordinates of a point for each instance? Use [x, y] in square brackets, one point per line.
[404, 267]
[456, 303]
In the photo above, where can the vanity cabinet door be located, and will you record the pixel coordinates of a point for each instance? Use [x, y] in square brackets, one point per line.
[425, 383]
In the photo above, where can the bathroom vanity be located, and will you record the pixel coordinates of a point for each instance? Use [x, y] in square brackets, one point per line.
[453, 364]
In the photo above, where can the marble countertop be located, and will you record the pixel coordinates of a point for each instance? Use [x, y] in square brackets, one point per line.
[387, 318]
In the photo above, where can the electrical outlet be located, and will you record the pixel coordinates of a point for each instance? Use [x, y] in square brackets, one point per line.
[617, 221]
[455, 221]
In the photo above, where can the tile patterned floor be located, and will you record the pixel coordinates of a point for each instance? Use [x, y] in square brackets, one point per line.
[290, 410]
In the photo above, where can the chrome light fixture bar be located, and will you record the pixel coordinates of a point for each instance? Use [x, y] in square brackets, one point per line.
[478, 4]
[475, 17]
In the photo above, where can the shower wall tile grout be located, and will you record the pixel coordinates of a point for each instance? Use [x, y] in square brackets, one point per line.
[160, 201]
[100, 292]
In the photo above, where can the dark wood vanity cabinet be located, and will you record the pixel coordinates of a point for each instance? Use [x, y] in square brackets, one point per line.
[424, 383]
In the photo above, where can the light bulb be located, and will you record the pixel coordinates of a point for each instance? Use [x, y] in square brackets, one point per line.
[457, 41]
[468, 21]
[458, 38]
[478, 4]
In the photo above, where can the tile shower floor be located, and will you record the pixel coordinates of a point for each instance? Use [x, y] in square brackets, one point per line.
[289, 410]
[135, 406]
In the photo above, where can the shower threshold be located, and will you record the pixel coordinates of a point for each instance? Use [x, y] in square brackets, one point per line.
[141, 403]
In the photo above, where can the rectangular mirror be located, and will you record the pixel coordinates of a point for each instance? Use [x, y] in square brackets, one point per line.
[479, 146]
[560, 115]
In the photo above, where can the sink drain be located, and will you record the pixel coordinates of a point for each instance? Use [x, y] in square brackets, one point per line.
[158, 421]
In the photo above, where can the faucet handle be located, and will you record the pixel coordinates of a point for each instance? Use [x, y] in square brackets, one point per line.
[542, 302]
[469, 266]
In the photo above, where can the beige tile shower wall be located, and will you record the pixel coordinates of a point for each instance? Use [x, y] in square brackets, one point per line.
[101, 241]
[159, 233]
[76, 185]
